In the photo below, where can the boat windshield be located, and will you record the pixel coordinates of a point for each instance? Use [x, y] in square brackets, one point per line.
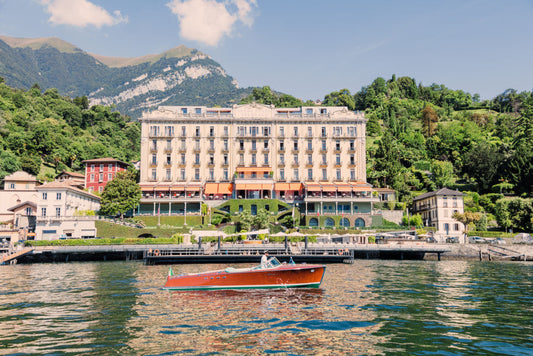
[273, 262]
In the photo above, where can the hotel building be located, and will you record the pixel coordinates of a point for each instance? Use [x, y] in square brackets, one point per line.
[312, 157]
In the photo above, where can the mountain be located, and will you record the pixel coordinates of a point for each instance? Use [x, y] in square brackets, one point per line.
[180, 75]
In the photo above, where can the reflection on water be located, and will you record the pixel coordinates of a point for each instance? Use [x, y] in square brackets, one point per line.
[370, 307]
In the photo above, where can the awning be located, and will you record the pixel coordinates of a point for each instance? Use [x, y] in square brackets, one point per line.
[266, 186]
[193, 188]
[225, 188]
[249, 187]
[295, 186]
[147, 189]
[177, 188]
[164, 187]
[313, 187]
[211, 188]
[281, 186]
[361, 189]
[329, 187]
[344, 187]
[253, 169]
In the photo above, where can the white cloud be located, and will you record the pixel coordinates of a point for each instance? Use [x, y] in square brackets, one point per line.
[81, 13]
[207, 21]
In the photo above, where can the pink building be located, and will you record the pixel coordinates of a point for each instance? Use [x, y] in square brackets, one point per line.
[100, 171]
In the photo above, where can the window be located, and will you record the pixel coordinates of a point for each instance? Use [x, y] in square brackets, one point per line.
[309, 111]
[352, 145]
[169, 146]
[102, 166]
[265, 161]
[182, 174]
[309, 159]
[241, 159]
[324, 161]
[183, 110]
[211, 174]
[282, 131]
[337, 145]
[198, 110]
[154, 159]
[154, 130]
[154, 174]
[225, 159]
[92, 178]
[456, 227]
[324, 145]
[211, 145]
[211, 159]
[183, 131]
[28, 211]
[296, 175]
[254, 145]
[182, 158]
[352, 174]
[282, 159]
[197, 131]
[43, 212]
[337, 131]
[100, 189]
[351, 131]
[169, 131]
[295, 131]
[225, 145]
[352, 159]
[324, 174]
[101, 178]
[45, 196]
[265, 144]
[310, 174]
[282, 174]
[310, 131]
[338, 159]
[109, 176]
[295, 159]
[241, 130]
[266, 131]
[296, 145]
[254, 130]
[323, 131]
[226, 131]
[168, 175]
[323, 111]
[254, 161]
[110, 167]
[197, 174]
[310, 145]
[92, 167]
[154, 146]
[183, 145]
[197, 158]
[241, 145]
[168, 159]
[225, 174]
[197, 145]
[338, 173]
[211, 131]
[282, 145]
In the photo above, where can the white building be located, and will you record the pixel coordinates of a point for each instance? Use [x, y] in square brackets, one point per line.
[437, 209]
[62, 212]
[19, 187]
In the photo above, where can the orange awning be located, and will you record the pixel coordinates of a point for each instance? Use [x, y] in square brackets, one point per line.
[253, 169]
[211, 188]
[248, 187]
[193, 188]
[225, 188]
[344, 187]
[361, 189]
[282, 186]
[177, 188]
[295, 186]
[266, 186]
[313, 187]
[328, 187]
[147, 189]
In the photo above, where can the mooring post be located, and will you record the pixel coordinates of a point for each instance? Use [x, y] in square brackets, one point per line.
[438, 256]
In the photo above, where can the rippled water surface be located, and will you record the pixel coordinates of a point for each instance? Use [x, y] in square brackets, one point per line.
[370, 307]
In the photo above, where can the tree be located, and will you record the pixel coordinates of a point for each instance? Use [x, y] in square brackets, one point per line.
[515, 213]
[120, 195]
[467, 218]
[442, 173]
[340, 98]
[430, 119]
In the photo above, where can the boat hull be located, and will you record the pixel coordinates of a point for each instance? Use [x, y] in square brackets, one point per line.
[282, 277]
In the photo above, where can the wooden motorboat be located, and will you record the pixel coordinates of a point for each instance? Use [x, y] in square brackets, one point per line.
[272, 274]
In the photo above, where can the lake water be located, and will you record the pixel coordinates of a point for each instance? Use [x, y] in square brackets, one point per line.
[369, 308]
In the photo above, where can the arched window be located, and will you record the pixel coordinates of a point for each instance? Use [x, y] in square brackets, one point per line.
[313, 222]
[330, 222]
[359, 222]
[344, 222]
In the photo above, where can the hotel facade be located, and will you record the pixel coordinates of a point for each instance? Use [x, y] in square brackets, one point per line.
[312, 157]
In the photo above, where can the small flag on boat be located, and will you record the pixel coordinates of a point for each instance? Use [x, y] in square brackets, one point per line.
[170, 272]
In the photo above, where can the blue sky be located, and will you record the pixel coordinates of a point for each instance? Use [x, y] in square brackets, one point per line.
[307, 48]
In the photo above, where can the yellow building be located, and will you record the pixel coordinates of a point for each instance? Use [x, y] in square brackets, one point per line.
[311, 156]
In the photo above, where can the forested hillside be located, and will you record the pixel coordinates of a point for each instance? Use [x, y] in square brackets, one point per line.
[44, 133]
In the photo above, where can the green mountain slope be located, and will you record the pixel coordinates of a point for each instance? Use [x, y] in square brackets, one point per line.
[179, 75]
